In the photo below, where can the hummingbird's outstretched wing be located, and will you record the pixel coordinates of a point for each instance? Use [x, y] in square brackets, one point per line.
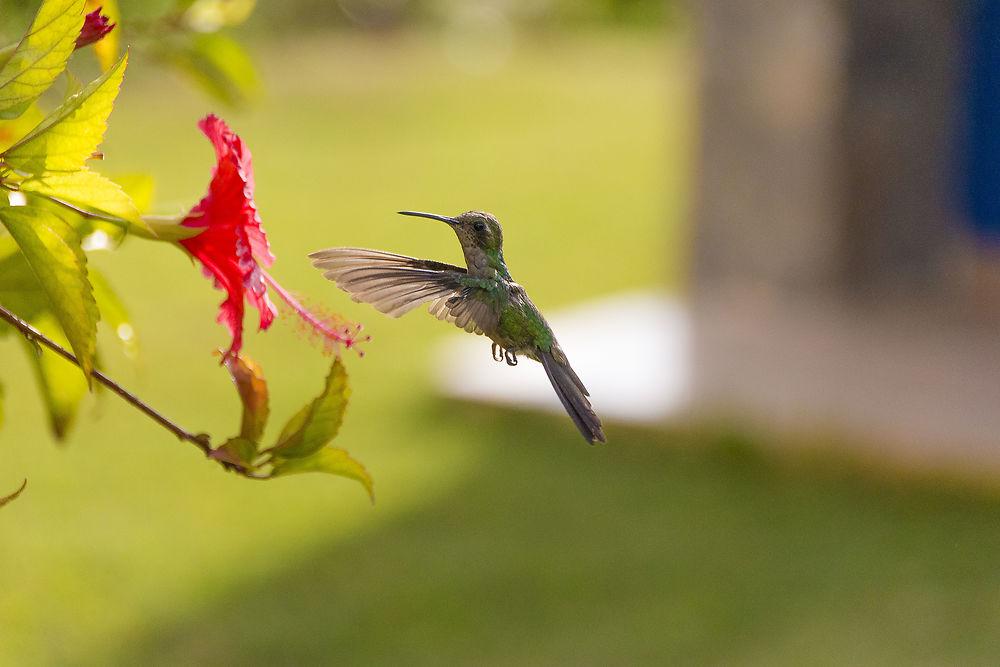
[396, 284]
[393, 284]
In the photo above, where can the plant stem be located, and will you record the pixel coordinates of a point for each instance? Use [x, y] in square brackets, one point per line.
[35, 336]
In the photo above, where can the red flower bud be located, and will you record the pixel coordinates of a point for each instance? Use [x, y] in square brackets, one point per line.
[95, 27]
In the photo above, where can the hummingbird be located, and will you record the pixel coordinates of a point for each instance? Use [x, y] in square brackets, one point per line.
[481, 298]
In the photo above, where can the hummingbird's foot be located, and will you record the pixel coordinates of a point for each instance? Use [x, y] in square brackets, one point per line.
[500, 354]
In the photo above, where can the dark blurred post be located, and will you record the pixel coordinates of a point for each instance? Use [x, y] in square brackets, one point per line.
[768, 217]
[902, 106]
[829, 144]
[838, 279]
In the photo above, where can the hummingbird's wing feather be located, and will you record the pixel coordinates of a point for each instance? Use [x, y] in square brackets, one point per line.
[572, 394]
[465, 311]
[393, 284]
[336, 258]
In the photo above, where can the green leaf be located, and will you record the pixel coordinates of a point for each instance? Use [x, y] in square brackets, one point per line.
[113, 313]
[318, 422]
[293, 426]
[59, 381]
[328, 460]
[6, 499]
[41, 56]
[71, 133]
[87, 190]
[52, 249]
[211, 15]
[252, 388]
[20, 291]
[221, 66]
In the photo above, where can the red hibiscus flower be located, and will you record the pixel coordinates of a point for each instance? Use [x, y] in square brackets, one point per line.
[233, 248]
[95, 27]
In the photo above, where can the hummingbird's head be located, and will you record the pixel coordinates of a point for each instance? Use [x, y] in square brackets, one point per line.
[475, 229]
[480, 236]
[479, 229]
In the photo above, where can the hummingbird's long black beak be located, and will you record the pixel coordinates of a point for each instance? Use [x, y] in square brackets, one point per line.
[432, 216]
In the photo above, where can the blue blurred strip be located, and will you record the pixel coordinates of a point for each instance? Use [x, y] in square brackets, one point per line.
[982, 128]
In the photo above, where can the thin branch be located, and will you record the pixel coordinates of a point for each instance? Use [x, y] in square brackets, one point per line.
[35, 336]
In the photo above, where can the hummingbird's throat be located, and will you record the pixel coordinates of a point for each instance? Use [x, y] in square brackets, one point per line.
[486, 263]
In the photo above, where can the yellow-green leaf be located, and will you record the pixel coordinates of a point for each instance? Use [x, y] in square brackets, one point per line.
[252, 388]
[20, 291]
[15, 128]
[41, 55]
[6, 499]
[71, 133]
[59, 381]
[52, 248]
[328, 460]
[318, 422]
[86, 190]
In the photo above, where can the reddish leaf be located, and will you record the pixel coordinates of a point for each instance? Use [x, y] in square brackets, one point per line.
[252, 388]
[236, 451]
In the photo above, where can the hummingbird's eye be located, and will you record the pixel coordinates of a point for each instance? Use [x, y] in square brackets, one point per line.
[479, 226]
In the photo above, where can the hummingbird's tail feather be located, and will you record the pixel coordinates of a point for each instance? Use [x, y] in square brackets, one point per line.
[573, 396]
[393, 284]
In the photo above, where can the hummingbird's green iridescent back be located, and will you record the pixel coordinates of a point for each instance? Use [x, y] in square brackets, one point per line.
[481, 298]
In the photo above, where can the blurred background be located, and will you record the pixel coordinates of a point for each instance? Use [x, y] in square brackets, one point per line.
[771, 225]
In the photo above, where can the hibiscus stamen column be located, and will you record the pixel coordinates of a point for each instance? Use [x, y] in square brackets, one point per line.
[345, 334]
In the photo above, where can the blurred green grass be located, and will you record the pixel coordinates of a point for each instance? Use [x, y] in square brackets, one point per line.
[497, 537]
[656, 550]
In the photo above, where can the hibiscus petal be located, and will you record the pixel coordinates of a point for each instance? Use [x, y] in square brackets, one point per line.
[234, 159]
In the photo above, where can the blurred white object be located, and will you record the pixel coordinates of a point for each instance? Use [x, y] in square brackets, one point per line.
[633, 351]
